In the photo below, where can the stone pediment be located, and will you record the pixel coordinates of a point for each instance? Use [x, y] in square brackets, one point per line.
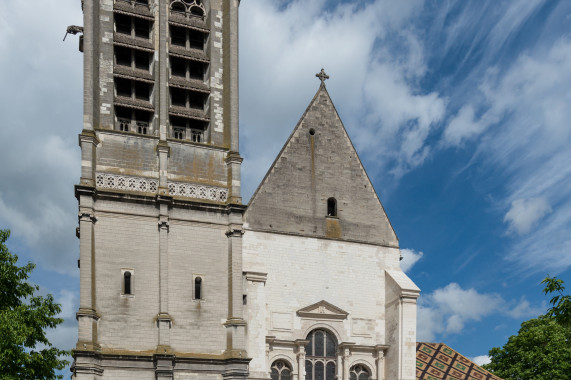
[322, 310]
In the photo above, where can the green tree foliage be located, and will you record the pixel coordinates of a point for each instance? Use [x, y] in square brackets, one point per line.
[542, 348]
[560, 303]
[25, 352]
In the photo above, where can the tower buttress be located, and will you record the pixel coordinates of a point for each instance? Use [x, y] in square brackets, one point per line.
[159, 192]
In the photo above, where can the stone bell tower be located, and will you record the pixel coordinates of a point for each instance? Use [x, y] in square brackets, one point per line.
[160, 212]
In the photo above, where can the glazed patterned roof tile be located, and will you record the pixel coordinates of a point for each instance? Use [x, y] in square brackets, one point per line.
[437, 361]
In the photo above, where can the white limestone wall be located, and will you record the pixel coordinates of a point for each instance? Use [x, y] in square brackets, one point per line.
[302, 271]
[198, 249]
[126, 242]
[127, 238]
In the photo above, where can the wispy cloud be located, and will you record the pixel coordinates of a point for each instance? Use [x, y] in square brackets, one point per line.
[519, 122]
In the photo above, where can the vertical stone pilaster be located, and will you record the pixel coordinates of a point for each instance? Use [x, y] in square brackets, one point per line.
[380, 362]
[231, 73]
[161, 68]
[88, 142]
[87, 315]
[235, 324]
[408, 334]
[164, 321]
[233, 163]
[89, 53]
[346, 365]
[104, 86]
[163, 150]
[301, 358]
[255, 312]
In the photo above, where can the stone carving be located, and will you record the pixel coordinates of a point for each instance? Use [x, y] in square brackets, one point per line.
[121, 182]
[198, 191]
[192, 7]
[148, 185]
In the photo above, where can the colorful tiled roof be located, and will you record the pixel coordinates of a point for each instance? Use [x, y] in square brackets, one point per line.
[437, 361]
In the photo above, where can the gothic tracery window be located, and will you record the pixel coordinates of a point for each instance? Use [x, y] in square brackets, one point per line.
[281, 370]
[359, 372]
[320, 356]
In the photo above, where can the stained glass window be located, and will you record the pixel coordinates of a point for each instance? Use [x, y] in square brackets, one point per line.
[359, 372]
[320, 356]
[281, 370]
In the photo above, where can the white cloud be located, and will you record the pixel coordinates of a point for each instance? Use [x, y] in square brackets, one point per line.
[463, 126]
[525, 213]
[39, 143]
[448, 309]
[409, 258]
[481, 359]
[374, 58]
[429, 323]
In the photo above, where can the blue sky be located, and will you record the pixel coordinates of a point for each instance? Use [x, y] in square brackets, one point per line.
[459, 111]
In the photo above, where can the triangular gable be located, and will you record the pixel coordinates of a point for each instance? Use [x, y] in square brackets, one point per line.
[319, 162]
[322, 310]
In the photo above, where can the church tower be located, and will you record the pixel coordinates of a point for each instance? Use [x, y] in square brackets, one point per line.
[160, 211]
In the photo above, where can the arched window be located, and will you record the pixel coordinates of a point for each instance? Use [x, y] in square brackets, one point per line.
[359, 372]
[196, 11]
[127, 282]
[198, 288]
[281, 370]
[331, 207]
[320, 356]
[177, 6]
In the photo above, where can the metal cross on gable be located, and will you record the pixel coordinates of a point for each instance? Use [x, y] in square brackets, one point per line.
[322, 76]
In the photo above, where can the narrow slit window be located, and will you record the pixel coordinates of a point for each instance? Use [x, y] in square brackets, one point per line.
[198, 288]
[331, 207]
[127, 283]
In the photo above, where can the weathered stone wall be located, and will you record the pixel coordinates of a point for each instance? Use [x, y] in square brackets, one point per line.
[318, 162]
[196, 249]
[127, 154]
[198, 165]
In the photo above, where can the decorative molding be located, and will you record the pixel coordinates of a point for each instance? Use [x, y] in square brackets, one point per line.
[256, 276]
[149, 185]
[122, 182]
[188, 190]
[86, 217]
[322, 310]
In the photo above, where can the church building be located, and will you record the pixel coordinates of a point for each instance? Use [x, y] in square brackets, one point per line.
[181, 280]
